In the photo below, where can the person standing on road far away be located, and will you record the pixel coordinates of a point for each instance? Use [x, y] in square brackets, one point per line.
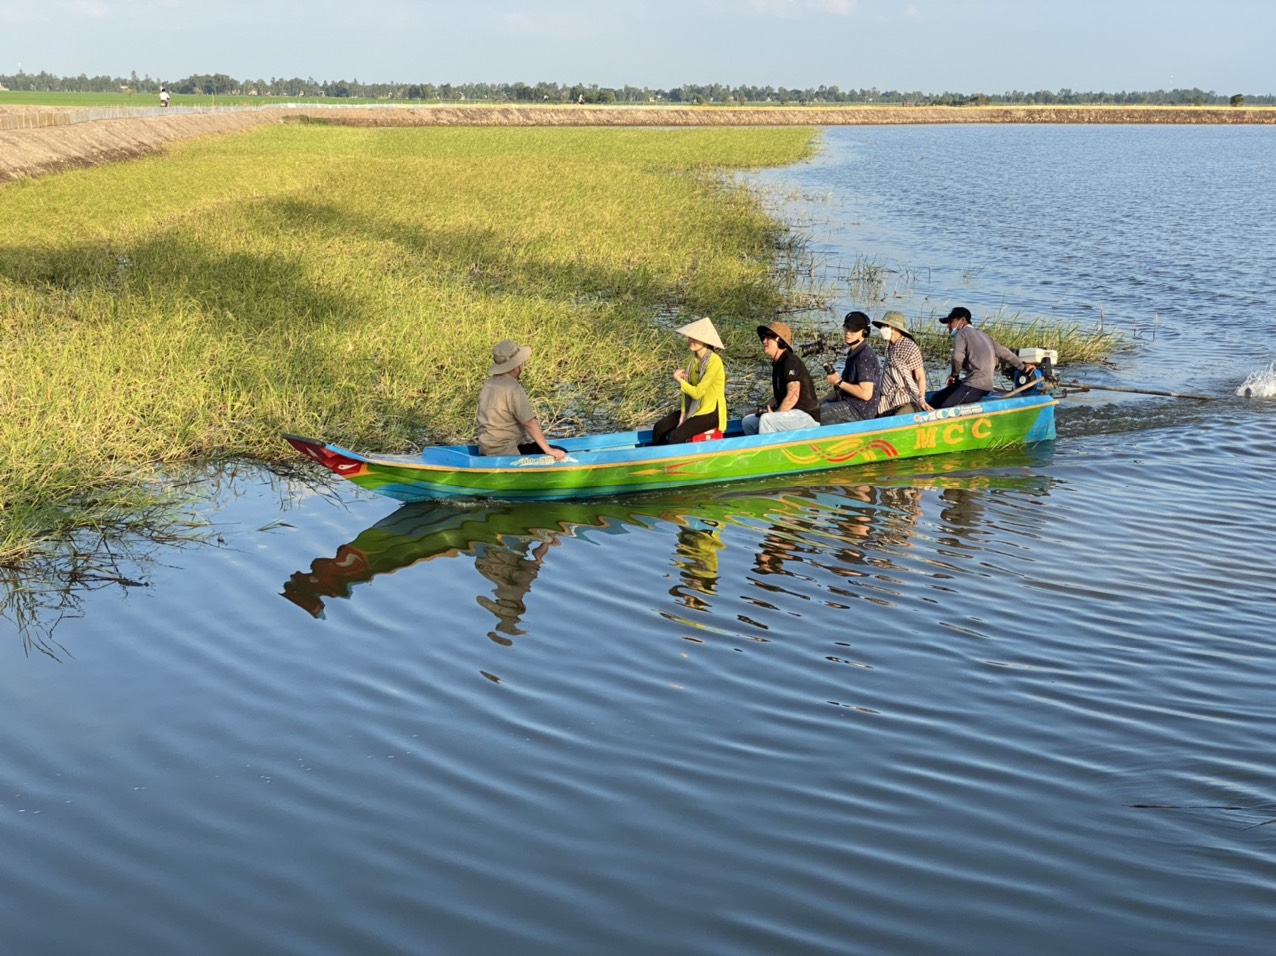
[163, 96]
[703, 384]
[975, 357]
[795, 404]
[507, 424]
[853, 390]
[902, 389]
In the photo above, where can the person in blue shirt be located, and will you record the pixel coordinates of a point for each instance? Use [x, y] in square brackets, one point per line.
[854, 391]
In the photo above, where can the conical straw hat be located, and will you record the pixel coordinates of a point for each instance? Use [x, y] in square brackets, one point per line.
[702, 330]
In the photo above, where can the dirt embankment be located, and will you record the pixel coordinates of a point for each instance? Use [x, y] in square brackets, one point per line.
[36, 152]
[773, 116]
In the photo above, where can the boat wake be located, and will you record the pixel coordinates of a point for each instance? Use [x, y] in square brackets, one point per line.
[1121, 417]
[1260, 384]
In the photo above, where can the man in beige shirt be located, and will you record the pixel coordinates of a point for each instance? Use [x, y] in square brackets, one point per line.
[507, 424]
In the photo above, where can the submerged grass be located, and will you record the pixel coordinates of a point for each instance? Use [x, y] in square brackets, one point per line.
[350, 283]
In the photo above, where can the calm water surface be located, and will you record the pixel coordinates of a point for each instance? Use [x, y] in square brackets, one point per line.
[1002, 703]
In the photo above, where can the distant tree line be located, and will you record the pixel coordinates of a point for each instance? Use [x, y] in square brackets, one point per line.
[219, 84]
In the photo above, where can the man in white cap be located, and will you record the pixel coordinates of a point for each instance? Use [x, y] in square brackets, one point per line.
[507, 424]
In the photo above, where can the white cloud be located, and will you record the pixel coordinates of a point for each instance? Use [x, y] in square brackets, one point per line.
[93, 9]
[795, 9]
[553, 24]
[18, 13]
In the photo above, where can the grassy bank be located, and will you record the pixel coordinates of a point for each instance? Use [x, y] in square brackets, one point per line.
[351, 283]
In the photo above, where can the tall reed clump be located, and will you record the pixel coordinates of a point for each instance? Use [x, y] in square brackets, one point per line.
[351, 283]
[1075, 345]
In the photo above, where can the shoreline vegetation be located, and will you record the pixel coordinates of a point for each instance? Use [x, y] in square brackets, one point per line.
[349, 282]
[40, 140]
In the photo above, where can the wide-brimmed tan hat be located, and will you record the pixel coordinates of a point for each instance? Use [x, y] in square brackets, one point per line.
[508, 355]
[780, 330]
[896, 320]
[702, 330]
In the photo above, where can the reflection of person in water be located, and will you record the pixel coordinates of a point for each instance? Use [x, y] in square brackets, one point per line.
[697, 561]
[775, 550]
[900, 521]
[963, 508]
[888, 519]
[788, 540]
[852, 526]
[512, 569]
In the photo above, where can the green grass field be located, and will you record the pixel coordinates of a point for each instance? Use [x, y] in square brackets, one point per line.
[350, 283]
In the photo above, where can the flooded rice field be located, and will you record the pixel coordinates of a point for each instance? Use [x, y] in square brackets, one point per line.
[985, 704]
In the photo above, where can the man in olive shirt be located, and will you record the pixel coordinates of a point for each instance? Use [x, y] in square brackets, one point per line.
[507, 424]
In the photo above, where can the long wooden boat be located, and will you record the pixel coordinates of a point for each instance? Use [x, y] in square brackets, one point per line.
[625, 462]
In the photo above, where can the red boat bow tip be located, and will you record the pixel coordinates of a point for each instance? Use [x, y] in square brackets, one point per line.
[317, 451]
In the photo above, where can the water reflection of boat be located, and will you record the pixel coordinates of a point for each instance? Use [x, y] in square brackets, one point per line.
[428, 530]
[626, 462]
[508, 540]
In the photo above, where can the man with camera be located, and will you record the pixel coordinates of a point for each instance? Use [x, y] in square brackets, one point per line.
[853, 397]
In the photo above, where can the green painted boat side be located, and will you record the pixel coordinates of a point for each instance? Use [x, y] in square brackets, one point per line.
[622, 464]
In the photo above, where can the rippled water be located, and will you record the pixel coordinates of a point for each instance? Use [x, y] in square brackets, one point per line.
[997, 703]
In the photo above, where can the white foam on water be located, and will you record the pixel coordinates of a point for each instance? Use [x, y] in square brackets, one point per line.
[1261, 384]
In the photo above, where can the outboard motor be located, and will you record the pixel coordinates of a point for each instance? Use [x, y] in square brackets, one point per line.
[1022, 377]
[1044, 360]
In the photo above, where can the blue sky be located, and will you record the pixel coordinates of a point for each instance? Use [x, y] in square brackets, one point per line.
[966, 46]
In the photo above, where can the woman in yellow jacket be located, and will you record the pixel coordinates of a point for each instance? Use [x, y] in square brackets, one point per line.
[704, 389]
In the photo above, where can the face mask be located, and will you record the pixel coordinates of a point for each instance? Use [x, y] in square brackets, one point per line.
[951, 331]
[886, 332]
